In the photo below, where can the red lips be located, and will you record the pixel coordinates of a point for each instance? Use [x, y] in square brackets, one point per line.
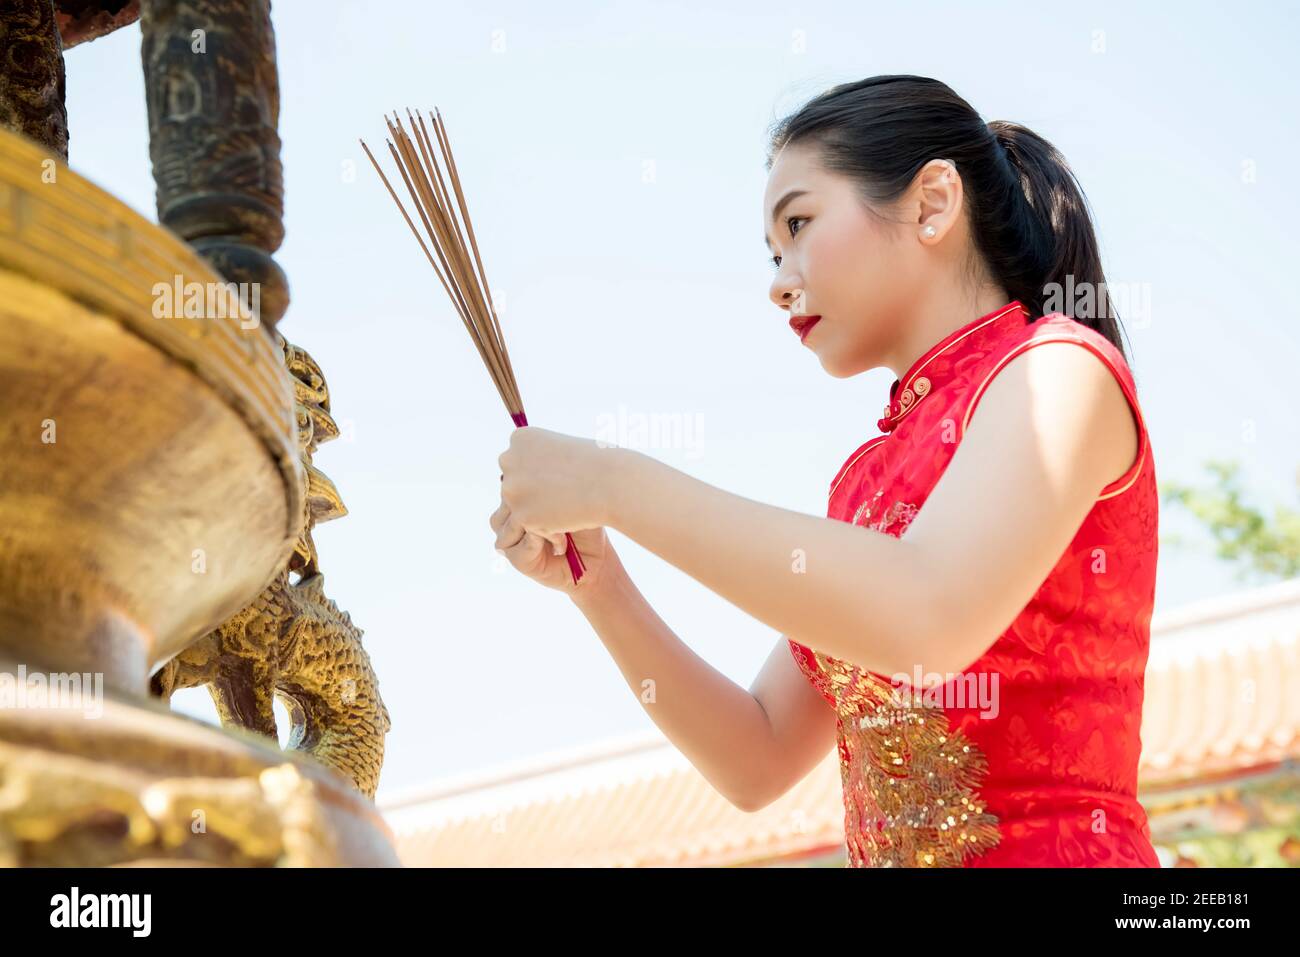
[802, 324]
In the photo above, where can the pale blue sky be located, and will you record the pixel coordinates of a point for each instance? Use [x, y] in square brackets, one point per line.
[648, 293]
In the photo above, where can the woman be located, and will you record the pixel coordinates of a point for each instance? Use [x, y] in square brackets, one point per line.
[981, 675]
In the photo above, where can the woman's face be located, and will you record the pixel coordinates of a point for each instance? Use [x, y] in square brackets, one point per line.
[841, 261]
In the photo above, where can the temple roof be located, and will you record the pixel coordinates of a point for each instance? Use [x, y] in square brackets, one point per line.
[1216, 706]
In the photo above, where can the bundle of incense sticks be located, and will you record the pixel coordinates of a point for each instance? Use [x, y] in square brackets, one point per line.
[426, 182]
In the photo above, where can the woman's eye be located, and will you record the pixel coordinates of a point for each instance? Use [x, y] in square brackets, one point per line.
[789, 225]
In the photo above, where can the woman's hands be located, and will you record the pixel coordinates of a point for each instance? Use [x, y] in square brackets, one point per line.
[543, 561]
[555, 483]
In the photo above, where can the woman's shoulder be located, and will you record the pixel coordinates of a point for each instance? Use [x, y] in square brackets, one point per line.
[1059, 328]
[1054, 328]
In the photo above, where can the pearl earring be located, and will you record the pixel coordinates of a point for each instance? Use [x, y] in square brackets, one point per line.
[928, 232]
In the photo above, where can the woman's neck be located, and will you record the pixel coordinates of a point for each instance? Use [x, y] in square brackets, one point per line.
[938, 314]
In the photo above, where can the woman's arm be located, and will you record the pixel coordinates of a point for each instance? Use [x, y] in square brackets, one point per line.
[1051, 430]
[752, 746]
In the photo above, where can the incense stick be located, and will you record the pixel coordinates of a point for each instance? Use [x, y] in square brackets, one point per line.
[467, 288]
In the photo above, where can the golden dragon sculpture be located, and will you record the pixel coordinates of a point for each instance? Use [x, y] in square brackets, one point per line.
[293, 641]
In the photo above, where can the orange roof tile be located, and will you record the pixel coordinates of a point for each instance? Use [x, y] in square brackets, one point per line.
[1217, 702]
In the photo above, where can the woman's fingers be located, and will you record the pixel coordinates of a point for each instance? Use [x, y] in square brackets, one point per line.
[525, 553]
[521, 547]
[498, 518]
[510, 534]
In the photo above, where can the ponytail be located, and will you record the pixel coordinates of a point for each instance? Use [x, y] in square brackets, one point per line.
[1061, 253]
[1029, 218]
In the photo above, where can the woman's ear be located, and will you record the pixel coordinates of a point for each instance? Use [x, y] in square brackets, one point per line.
[939, 200]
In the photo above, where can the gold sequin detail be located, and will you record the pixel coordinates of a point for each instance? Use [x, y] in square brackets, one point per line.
[900, 513]
[864, 510]
[910, 784]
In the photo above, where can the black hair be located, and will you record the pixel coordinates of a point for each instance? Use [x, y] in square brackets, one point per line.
[1028, 214]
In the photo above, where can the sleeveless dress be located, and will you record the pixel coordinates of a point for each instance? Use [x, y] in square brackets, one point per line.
[1042, 772]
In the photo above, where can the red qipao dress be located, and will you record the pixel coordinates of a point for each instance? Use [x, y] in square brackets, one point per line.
[1027, 758]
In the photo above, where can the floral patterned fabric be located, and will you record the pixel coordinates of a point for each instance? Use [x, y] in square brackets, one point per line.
[1029, 757]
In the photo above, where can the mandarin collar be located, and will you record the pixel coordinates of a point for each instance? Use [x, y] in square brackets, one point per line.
[924, 375]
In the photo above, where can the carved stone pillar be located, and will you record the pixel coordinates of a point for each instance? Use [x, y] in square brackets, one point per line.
[31, 74]
[214, 104]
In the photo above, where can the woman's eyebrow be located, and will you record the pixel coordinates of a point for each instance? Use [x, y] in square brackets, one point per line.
[780, 205]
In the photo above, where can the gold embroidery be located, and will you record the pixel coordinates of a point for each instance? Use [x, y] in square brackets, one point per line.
[864, 510]
[910, 783]
[900, 512]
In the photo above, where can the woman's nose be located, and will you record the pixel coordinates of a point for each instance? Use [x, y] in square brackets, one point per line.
[786, 296]
[785, 291]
